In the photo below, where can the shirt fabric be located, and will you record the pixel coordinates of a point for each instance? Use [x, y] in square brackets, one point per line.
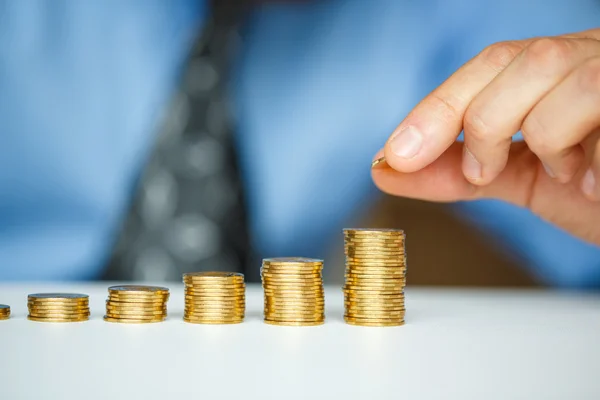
[317, 90]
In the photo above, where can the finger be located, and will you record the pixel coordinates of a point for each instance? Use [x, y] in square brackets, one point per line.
[437, 120]
[564, 118]
[590, 184]
[588, 34]
[498, 111]
[444, 181]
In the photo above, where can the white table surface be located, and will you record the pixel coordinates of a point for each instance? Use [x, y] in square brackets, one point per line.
[457, 344]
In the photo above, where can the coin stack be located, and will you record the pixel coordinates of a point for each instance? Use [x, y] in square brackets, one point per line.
[58, 307]
[375, 277]
[132, 304]
[214, 297]
[293, 291]
[4, 312]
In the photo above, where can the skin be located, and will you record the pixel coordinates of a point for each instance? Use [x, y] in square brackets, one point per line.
[549, 89]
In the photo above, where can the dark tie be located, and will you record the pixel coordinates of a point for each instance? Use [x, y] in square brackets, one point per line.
[188, 212]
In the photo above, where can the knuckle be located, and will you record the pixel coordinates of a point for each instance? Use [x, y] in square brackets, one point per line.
[499, 55]
[475, 127]
[589, 75]
[548, 53]
[533, 133]
[447, 106]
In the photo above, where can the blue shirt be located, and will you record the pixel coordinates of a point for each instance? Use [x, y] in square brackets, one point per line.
[317, 90]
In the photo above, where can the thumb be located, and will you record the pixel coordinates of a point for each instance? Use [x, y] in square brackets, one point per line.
[523, 183]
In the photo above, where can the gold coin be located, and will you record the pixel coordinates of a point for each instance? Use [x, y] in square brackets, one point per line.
[294, 300]
[292, 260]
[214, 298]
[58, 319]
[292, 308]
[298, 273]
[141, 302]
[60, 314]
[291, 285]
[375, 249]
[374, 324]
[136, 316]
[373, 312]
[394, 233]
[215, 284]
[138, 289]
[214, 315]
[65, 312]
[215, 306]
[136, 299]
[376, 282]
[215, 289]
[309, 297]
[293, 294]
[213, 275]
[395, 288]
[375, 318]
[212, 322]
[58, 310]
[58, 296]
[374, 298]
[294, 323]
[4, 317]
[136, 306]
[376, 274]
[132, 321]
[291, 275]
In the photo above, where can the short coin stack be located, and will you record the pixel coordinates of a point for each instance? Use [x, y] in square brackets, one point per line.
[4, 312]
[293, 291]
[375, 277]
[58, 307]
[133, 304]
[214, 297]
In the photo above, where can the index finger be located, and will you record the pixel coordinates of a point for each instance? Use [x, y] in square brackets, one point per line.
[437, 120]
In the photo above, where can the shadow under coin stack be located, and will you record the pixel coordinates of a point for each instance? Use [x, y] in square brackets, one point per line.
[4, 312]
[375, 277]
[58, 307]
[293, 291]
[133, 304]
[214, 297]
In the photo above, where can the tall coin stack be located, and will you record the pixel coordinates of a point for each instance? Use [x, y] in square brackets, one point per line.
[133, 304]
[4, 312]
[375, 277]
[293, 291]
[58, 307]
[214, 297]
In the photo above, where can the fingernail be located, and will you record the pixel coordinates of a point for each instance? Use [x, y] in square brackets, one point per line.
[588, 184]
[407, 143]
[548, 171]
[471, 167]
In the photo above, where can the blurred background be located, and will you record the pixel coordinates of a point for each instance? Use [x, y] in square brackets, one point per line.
[141, 139]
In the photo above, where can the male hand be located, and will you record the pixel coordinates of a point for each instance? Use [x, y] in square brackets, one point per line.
[547, 88]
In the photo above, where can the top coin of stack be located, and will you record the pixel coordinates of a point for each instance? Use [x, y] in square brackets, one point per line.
[293, 291]
[4, 312]
[375, 277]
[58, 307]
[214, 297]
[135, 304]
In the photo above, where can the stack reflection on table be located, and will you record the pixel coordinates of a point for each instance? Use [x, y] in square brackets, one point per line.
[214, 297]
[294, 292]
[375, 277]
[58, 307]
[136, 304]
